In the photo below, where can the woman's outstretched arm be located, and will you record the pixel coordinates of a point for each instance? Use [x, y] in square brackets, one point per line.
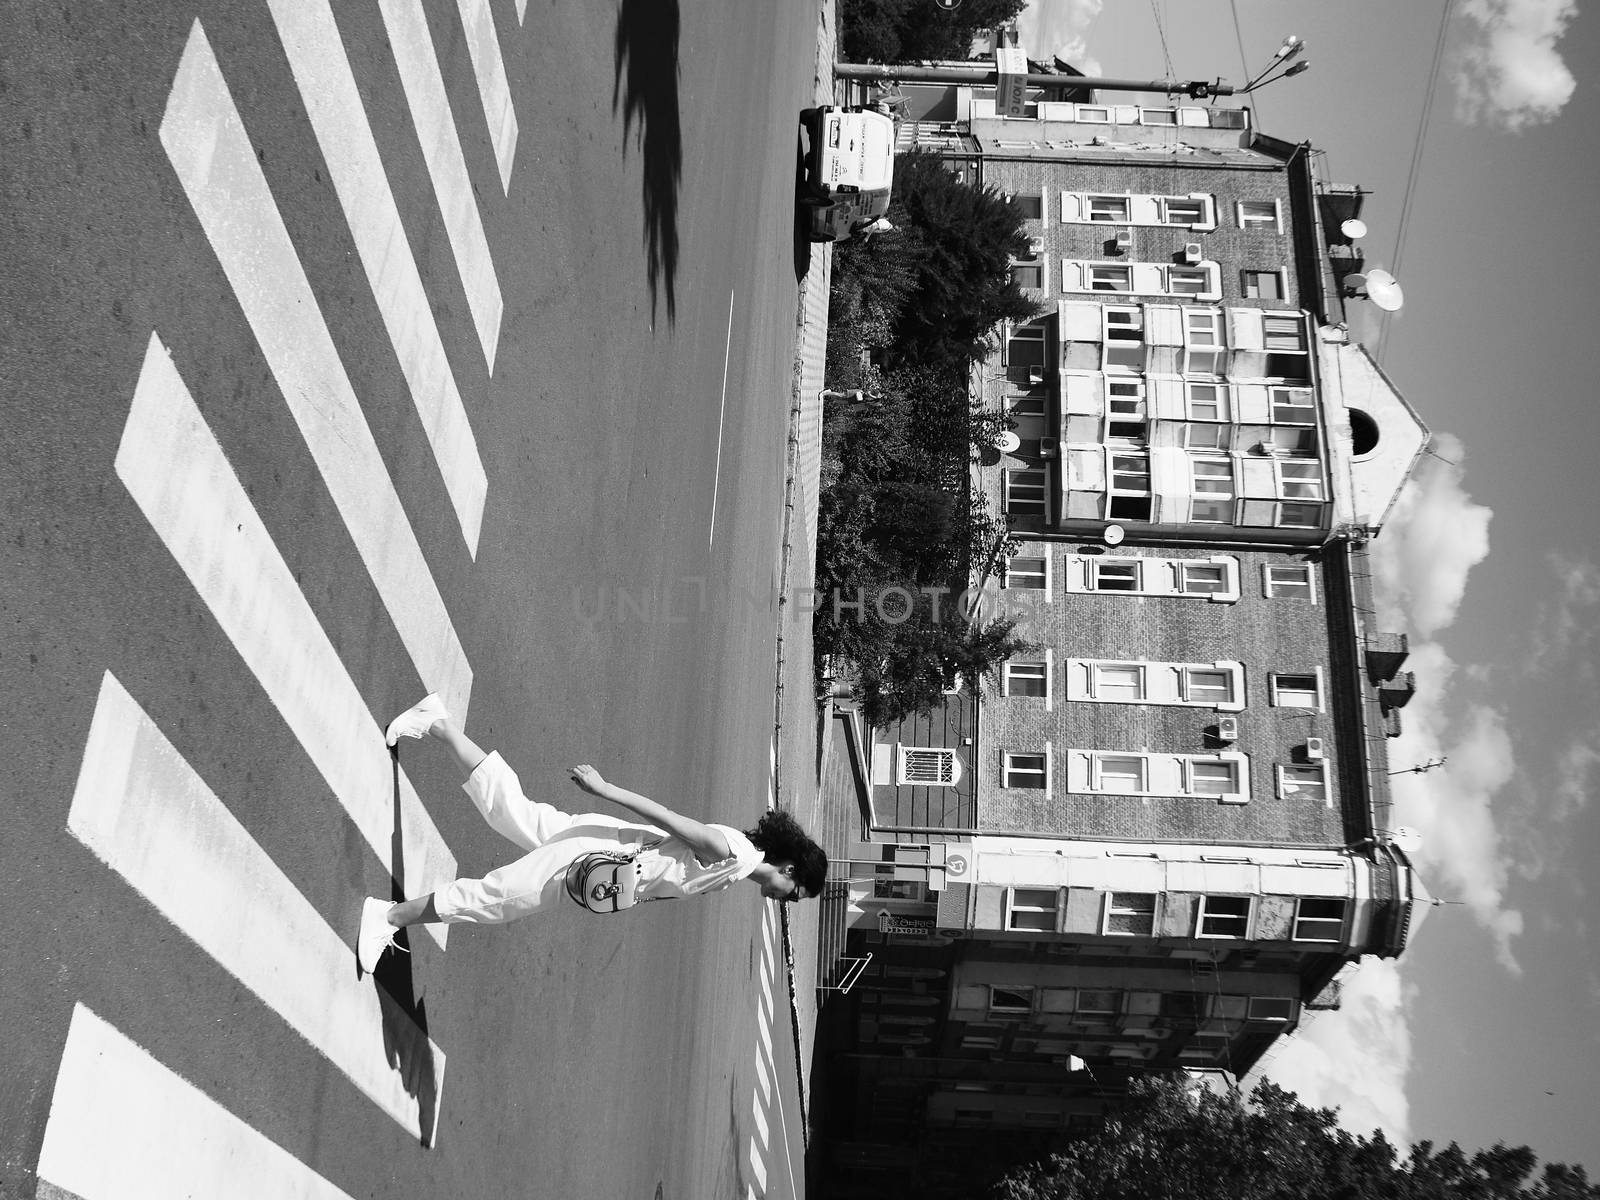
[708, 844]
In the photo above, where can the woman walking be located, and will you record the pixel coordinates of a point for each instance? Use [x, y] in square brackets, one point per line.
[675, 855]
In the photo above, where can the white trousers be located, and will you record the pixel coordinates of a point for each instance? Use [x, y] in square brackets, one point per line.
[552, 838]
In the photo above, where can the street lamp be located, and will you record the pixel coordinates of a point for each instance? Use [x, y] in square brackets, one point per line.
[1291, 49]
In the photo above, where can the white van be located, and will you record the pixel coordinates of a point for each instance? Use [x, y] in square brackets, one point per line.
[849, 170]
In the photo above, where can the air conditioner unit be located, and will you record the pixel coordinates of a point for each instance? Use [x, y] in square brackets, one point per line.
[1035, 374]
[1049, 447]
[1191, 253]
[1036, 245]
[1124, 239]
[1228, 729]
[1314, 750]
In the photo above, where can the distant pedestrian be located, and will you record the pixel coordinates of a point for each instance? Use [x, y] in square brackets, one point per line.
[673, 855]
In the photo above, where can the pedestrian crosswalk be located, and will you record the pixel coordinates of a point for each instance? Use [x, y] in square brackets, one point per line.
[121, 1121]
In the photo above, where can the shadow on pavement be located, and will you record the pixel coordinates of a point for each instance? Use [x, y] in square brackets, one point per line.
[646, 86]
[802, 214]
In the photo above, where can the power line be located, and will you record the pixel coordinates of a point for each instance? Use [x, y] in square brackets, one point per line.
[1161, 29]
[1417, 150]
[1244, 61]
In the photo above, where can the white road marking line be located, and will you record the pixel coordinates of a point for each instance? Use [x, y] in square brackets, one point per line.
[759, 1116]
[144, 812]
[122, 1125]
[766, 992]
[763, 1078]
[209, 149]
[722, 412]
[333, 104]
[447, 167]
[758, 1166]
[765, 1035]
[483, 44]
[522, 10]
[783, 1126]
[178, 476]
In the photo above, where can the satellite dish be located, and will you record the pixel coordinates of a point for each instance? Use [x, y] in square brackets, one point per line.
[1354, 229]
[1405, 839]
[1114, 535]
[1383, 289]
[1008, 442]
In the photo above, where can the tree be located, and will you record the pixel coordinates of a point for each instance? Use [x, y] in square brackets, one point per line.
[1179, 1144]
[888, 31]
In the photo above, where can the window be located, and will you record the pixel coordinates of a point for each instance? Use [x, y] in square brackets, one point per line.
[1224, 917]
[1270, 1008]
[972, 1040]
[1125, 773]
[1010, 1000]
[1213, 777]
[1190, 281]
[1025, 493]
[1293, 515]
[1116, 575]
[1296, 691]
[1130, 473]
[886, 887]
[1115, 210]
[1106, 278]
[1105, 1002]
[1289, 580]
[1317, 919]
[1212, 501]
[1300, 480]
[1128, 914]
[1293, 406]
[1028, 275]
[1031, 206]
[1263, 285]
[1125, 397]
[1126, 431]
[1123, 339]
[1207, 436]
[1026, 346]
[1158, 116]
[1123, 682]
[1261, 215]
[1284, 338]
[1033, 909]
[1028, 573]
[1303, 781]
[1025, 677]
[1208, 401]
[1205, 342]
[1024, 770]
[929, 766]
[1184, 210]
[1026, 406]
[1197, 578]
[1204, 685]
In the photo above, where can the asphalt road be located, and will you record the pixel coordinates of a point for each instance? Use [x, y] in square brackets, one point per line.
[229, 519]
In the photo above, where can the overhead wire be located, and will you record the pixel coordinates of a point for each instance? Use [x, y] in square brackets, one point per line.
[1418, 149]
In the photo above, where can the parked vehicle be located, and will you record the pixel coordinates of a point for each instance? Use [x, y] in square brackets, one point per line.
[848, 173]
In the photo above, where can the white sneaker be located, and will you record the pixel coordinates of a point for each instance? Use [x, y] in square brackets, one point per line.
[415, 721]
[375, 934]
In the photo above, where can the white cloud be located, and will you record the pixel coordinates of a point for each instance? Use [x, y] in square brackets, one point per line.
[1436, 536]
[1061, 28]
[1355, 1059]
[1509, 72]
[1565, 630]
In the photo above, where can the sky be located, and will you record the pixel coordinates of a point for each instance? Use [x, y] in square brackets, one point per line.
[1486, 207]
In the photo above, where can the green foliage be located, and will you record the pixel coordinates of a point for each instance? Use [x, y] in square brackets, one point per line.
[889, 31]
[1180, 1145]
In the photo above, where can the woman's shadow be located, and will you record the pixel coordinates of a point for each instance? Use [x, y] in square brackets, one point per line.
[645, 85]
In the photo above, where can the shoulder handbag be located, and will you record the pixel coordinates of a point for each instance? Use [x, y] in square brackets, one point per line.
[605, 881]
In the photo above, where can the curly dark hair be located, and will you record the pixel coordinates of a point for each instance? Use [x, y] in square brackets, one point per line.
[779, 837]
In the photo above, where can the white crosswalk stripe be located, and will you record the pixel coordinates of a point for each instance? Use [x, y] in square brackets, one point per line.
[122, 1126]
[144, 812]
[176, 473]
[483, 45]
[766, 1102]
[407, 24]
[206, 141]
[333, 103]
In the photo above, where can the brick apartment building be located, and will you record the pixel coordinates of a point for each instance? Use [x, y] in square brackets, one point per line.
[1156, 842]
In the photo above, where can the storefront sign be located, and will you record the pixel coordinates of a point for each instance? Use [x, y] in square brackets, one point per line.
[1011, 92]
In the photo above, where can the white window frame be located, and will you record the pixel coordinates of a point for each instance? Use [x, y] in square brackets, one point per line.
[1100, 570]
[1275, 222]
[1087, 275]
[1125, 396]
[1099, 277]
[1298, 478]
[1202, 912]
[1152, 576]
[1166, 683]
[1155, 774]
[1294, 782]
[1011, 481]
[1013, 908]
[948, 769]
[1045, 575]
[1228, 592]
[1248, 275]
[1207, 275]
[1265, 1008]
[1293, 589]
[1008, 769]
[1124, 216]
[1277, 691]
[1205, 341]
[1292, 405]
[1016, 669]
[1302, 921]
[1219, 408]
[1281, 514]
[1110, 909]
[1026, 333]
[1140, 209]
[1208, 437]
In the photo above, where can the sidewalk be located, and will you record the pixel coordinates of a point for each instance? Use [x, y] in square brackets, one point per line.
[797, 725]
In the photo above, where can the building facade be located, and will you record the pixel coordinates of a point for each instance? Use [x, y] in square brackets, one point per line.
[1155, 841]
